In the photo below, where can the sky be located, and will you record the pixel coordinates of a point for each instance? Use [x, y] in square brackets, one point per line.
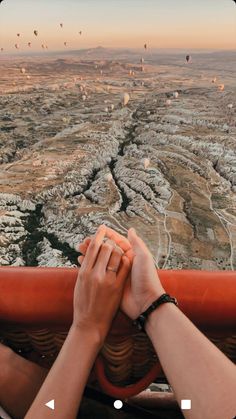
[185, 24]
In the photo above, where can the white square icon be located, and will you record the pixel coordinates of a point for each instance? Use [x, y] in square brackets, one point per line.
[185, 404]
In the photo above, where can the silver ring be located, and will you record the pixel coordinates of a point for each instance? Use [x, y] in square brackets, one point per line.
[109, 268]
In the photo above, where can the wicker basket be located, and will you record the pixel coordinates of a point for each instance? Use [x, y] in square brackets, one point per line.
[127, 355]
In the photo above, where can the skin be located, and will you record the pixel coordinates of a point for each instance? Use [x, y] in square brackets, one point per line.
[20, 381]
[96, 288]
[209, 378]
[196, 369]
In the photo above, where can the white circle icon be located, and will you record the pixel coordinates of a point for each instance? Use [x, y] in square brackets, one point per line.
[118, 404]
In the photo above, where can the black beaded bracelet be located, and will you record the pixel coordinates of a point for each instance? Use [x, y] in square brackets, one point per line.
[164, 298]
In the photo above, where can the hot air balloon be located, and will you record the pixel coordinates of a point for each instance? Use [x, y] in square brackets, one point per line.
[221, 87]
[35, 33]
[65, 44]
[175, 95]
[125, 99]
[28, 77]
[188, 58]
[1, 49]
[80, 32]
[17, 46]
[61, 25]
[43, 46]
[146, 162]
[108, 177]
[145, 46]
[18, 34]
[29, 44]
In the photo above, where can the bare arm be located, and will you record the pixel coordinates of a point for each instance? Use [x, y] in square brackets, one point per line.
[68, 376]
[196, 369]
[97, 296]
[20, 380]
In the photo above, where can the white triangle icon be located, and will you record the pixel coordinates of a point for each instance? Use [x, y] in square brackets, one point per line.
[50, 404]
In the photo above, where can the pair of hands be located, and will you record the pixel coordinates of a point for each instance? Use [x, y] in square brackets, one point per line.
[118, 272]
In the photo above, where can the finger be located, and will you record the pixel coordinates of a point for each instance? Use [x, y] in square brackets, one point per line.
[137, 243]
[124, 270]
[94, 247]
[82, 247]
[104, 255]
[115, 259]
[120, 240]
[80, 259]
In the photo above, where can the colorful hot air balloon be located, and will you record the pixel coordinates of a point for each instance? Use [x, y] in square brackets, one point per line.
[146, 162]
[80, 32]
[65, 44]
[29, 44]
[35, 33]
[18, 34]
[221, 87]
[61, 25]
[188, 58]
[108, 177]
[145, 46]
[125, 99]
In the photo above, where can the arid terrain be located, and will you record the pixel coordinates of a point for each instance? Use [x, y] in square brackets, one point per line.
[73, 157]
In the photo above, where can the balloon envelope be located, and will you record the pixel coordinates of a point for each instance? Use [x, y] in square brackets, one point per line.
[125, 99]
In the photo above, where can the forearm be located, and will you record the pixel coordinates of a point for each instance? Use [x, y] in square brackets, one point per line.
[20, 380]
[68, 376]
[194, 367]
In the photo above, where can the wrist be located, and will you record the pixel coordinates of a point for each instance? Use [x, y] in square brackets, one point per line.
[158, 316]
[90, 334]
[151, 298]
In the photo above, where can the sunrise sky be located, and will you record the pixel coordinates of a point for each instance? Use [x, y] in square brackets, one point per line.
[185, 24]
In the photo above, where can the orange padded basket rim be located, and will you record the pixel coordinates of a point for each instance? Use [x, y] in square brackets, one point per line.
[44, 296]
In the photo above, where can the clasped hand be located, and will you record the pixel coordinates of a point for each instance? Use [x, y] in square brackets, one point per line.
[115, 272]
